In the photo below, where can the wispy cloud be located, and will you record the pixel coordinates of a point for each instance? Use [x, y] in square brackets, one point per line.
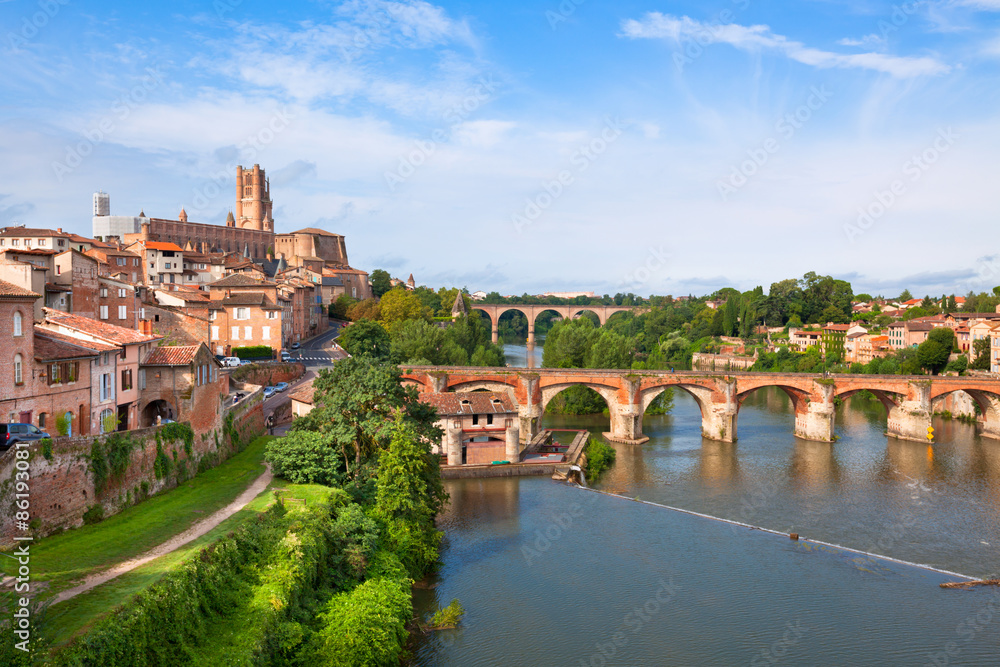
[985, 5]
[655, 25]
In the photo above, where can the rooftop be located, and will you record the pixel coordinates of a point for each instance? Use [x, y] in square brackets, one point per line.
[108, 332]
[21, 232]
[161, 245]
[52, 346]
[469, 402]
[172, 355]
[240, 280]
[12, 291]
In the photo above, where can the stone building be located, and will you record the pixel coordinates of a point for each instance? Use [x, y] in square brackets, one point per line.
[479, 426]
[17, 352]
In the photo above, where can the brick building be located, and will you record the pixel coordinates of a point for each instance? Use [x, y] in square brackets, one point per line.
[114, 387]
[477, 425]
[244, 312]
[17, 352]
[182, 383]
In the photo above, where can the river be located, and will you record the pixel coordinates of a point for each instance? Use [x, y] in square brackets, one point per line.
[551, 574]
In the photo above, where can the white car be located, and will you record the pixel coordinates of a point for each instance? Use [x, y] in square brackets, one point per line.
[231, 362]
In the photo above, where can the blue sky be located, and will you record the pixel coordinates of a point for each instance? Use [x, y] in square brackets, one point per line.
[653, 147]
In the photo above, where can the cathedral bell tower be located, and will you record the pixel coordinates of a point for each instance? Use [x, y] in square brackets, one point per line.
[253, 200]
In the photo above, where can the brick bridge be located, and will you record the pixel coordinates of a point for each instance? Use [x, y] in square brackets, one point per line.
[532, 312]
[908, 399]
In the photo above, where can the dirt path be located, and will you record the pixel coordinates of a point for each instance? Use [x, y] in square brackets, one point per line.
[174, 543]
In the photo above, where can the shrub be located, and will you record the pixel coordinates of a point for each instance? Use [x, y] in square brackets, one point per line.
[94, 514]
[46, 444]
[62, 424]
[600, 457]
[254, 352]
[449, 616]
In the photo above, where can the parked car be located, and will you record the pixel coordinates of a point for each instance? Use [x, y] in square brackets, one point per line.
[230, 362]
[269, 392]
[245, 362]
[285, 356]
[281, 386]
[295, 346]
[11, 434]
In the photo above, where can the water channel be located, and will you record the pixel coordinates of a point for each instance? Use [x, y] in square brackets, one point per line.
[556, 575]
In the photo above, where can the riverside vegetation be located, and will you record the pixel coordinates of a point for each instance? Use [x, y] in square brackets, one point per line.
[323, 582]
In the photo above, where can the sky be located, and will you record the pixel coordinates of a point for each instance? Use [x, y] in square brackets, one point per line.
[646, 147]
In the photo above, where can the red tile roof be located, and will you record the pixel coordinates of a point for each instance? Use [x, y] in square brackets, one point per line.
[469, 402]
[103, 330]
[172, 355]
[29, 251]
[52, 346]
[240, 280]
[12, 291]
[21, 232]
[160, 245]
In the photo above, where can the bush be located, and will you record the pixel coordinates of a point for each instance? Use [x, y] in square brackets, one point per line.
[449, 616]
[46, 444]
[600, 457]
[305, 457]
[366, 626]
[254, 352]
[94, 514]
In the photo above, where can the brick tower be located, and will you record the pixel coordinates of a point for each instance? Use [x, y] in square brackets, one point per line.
[253, 200]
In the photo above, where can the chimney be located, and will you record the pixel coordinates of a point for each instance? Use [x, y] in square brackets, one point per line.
[59, 229]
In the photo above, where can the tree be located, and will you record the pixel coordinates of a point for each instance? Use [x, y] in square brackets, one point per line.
[933, 353]
[398, 305]
[306, 457]
[980, 354]
[340, 307]
[409, 496]
[357, 402]
[363, 310]
[905, 296]
[381, 282]
[366, 338]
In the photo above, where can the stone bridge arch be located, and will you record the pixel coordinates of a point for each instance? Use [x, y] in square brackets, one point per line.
[988, 401]
[488, 385]
[550, 391]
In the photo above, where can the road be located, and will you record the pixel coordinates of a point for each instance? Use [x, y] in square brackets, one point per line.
[321, 350]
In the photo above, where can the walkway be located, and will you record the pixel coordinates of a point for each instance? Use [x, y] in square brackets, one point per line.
[174, 543]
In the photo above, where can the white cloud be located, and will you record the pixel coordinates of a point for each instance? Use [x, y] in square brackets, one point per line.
[872, 41]
[482, 133]
[985, 5]
[756, 37]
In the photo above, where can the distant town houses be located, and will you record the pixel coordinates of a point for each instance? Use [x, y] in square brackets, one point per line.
[119, 330]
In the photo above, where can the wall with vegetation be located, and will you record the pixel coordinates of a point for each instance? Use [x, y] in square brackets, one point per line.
[76, 480]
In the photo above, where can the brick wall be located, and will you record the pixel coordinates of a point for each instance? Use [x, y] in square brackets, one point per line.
[62, 488]
[269, 374]
[176, 326]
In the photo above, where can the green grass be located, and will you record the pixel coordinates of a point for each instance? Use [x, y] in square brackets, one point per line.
[62, 560]
[67, 619]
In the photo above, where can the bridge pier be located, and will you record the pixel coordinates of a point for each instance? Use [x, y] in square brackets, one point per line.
[513, 443]
[531, 333]
[910, 419]
[626, 424]
[453, 444]
[718, 423]
[496, 332]
[816, 421]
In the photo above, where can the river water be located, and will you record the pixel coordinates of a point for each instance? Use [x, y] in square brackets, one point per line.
[551, 574]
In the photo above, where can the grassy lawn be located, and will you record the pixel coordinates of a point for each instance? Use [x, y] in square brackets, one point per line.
[69, 618]
[65, 559]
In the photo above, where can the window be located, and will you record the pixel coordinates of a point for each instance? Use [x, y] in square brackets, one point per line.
[58, 270]
[236, 333]
[272, 314]
[167, 266]
[18, 379]
[489, 419]
[215, 333]
[121, 292]
[42, 416]
[41, 243]
[249, 333]
[142, 313]
[122, 312]
[107, 386]
[54, 374]
[61, 243]
[107, 420]
[242, 314]
[142, 378]
[265, 333]
[212, 314]
[17, 324]
[120, 261]
[201, 267]
[104, 312]
[15, 242]
[126, 379]
[475, 420]
[104, 292]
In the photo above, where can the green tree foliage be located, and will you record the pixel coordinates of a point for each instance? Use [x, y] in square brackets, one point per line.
[368, 309]
[399, 305]
[980, 354]
[340, 307]
[933, 353]
[381, 282]
[905, 296]
[409, 497]
[304, 457]
[466, 341]
[366, 338]
[356, 404]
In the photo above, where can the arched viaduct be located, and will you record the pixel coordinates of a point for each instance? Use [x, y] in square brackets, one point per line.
[908, 399]
[496, 311]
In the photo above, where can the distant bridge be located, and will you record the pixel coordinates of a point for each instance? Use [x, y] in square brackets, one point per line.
[495, 311]
[908, 399]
